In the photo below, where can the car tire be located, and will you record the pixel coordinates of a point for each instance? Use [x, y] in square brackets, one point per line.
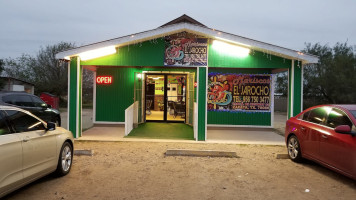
[65, 160]
[294, 150]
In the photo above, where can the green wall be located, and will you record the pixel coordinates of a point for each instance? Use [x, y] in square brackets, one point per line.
[202, 103]
[112, 100]
[297, 88]
[255, 59]
[149, 53]
[295, 103]
[73, 96]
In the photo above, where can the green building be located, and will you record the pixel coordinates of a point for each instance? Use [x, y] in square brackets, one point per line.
[184, 72]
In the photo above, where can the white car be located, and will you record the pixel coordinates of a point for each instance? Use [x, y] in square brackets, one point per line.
[30, 149]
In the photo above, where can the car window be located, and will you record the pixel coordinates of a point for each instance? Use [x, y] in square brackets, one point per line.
[19, 100]
[336, 118]
[4, 129]
[305, 116]
[38, 102]
[23, 122]
[353, 112]
[9, 99]
[318, 115]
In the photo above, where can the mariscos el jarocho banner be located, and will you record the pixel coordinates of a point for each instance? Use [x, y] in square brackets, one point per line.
[239, 92]
[181, 51]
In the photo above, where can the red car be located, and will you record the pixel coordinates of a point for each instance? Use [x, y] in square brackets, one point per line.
[325, 134]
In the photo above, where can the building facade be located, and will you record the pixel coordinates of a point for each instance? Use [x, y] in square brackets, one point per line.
[183, 72]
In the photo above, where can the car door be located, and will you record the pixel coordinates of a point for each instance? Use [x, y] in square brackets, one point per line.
[310, 129]
[39, 146]
[10, 157]
[337, 149]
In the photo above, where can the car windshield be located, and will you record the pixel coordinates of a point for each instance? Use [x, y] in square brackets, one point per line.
[353, 113]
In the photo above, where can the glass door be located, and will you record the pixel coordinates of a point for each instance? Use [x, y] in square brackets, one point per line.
[155, 93]
[165, 97]
[176, 97]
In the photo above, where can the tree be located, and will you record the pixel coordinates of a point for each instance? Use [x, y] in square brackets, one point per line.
[2, 83]
[51, 74]
[47, 73]
[20, 68]
[333, 78]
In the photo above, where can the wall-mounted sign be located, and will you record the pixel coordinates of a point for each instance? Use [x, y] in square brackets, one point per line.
[181, 51]
[104, 80]
[239, 92]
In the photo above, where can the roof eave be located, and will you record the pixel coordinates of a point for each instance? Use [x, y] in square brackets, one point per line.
[199, 30]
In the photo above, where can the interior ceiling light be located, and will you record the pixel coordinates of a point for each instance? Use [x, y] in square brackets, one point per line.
[229, 49]
[96, 53]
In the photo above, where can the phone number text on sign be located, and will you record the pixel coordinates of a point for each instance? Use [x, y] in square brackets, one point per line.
[239, 92]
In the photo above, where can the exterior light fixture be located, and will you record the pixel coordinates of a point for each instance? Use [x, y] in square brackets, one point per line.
[229, 49]
[139, 76]
[96, 53]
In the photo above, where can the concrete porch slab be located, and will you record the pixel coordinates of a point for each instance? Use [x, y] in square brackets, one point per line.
[266, 136]
[215, 135]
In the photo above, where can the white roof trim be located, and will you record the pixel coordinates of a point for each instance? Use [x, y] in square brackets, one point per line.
[198, 30]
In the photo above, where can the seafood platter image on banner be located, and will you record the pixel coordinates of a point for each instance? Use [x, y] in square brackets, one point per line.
[182, 51]
[239, 92]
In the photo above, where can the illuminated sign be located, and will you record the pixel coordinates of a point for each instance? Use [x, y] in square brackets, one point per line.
[239, 92]
[182, 51]
[104, 80]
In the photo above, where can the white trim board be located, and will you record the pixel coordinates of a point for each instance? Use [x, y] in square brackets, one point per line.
[197, 104]
[238, 126]
[68, 102]
[94, 97]
[206, 102]
[271, 101]
[198, 30]
[292, 90]
[103, 122]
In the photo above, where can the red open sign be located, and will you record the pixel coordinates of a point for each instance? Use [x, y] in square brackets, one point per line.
[104, 79]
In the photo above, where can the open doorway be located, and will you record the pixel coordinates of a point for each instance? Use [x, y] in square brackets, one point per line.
[165, 97]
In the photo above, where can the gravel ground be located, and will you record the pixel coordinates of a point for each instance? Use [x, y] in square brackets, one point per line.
[140, 170]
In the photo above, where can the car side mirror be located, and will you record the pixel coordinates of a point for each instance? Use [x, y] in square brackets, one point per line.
[344, 129]
[51, 126]
[44, 106]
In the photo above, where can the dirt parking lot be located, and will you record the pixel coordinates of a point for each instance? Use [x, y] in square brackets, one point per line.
[140, 170]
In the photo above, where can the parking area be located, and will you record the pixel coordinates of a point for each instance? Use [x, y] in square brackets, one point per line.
[140, 170]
